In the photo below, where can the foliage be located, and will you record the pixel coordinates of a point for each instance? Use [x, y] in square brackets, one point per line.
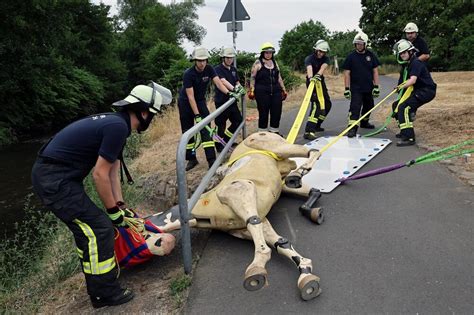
[40, 248]
[55, 57]
[341, 45]
[297, 43]
[178, 286]
[184, 14]
[445, 25]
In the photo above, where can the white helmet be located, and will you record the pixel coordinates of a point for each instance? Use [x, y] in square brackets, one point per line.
[361, 38]
[200, 53]
[227, 52]
[321, 45]
[146, 97]
[401, 46]
[410, 28]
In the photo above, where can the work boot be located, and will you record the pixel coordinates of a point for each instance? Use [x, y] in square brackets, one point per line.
[366, 125]
[398, 135]
[310, 135]
[121, 298]
[210, 162]
[318, 127]
[353, 132]
[191, 164]
[404, 142]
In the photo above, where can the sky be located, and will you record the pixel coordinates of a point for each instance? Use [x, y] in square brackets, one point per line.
[269, 19]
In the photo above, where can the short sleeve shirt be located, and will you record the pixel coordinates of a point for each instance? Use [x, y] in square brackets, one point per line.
[231, 75]
[423, 77]
[83, 141]
[421, 45]
[361, 67]
[315, 62]
[199, 81]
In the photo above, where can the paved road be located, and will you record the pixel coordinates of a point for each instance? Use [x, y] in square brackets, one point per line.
[396, 243]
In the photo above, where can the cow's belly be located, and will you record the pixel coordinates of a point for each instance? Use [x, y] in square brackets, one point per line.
[211, 213]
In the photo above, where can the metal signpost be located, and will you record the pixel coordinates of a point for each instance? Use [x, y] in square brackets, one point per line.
[234, 11]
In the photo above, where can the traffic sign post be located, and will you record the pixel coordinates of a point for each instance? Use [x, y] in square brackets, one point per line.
[234, 11]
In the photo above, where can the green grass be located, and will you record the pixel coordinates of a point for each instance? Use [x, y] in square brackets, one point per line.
[41, 253]
[178, 287]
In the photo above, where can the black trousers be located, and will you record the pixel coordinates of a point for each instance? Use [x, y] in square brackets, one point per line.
[361, 103]
[60, 189]
[186, 118]
[418, 98]
[231, 113]
[269, 105]
[317, 115]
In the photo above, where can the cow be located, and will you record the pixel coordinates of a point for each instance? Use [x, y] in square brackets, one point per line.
[258, 171]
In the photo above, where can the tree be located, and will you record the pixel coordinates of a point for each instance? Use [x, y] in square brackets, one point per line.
[184, 14]
[297, 43]
[444, 24]
[55, 57]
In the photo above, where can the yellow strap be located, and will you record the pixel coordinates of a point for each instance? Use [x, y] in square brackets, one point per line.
[264, 152]
[301, 113]
[404, 97]
[319, 93]
[357, 121]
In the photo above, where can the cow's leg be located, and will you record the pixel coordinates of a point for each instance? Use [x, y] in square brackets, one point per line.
[241, 197]
[307, 282]
[308, 209]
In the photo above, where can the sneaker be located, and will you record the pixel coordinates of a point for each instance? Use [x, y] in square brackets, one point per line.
[121, 298]
[352, 133]
[367, 125]
[310, 135]
[406, 142]
[191, 164]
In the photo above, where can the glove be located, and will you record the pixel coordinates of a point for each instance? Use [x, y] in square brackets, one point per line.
[234, 94]
[128, 213]
[240, 89]
[375, 91]
[317, 77]
[251, 94]
[347, 93]
[283, 95]
[197, 118]
[394, 106]
[116, 216]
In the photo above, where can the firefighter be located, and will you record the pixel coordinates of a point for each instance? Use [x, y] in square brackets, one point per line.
[424, 90]
[411, 33]
[192, 104]
[268, 89]
[96, 142]
[230, 79]
[361, 80]
[316, 64]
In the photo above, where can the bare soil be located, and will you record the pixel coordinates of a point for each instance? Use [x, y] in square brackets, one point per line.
[447, 120]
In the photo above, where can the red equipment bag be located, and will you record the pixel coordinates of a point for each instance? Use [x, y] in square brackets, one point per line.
[130, 246]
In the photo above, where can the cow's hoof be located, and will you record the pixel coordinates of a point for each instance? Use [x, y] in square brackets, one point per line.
[309, 287]
[255, 279]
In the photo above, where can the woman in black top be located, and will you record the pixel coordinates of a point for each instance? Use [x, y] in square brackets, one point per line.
[268, 89]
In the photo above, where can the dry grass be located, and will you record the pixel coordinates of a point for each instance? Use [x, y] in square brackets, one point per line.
[449, 118]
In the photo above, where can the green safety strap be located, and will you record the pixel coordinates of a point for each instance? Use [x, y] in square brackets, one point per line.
[443, 153]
